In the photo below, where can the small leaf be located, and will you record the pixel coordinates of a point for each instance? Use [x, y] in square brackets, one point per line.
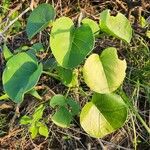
[38, 113]
[77, 43]
[118, 26]
[4, 97]
[75, 107]
[92, 24]
[143, 22]
[58, 100]
[62, 117]
[43, 130]
[39, 19]
[37, 47]
[105, 114]
[7, 53]
[21, 74]
[68, 77]
[104, 73]
[25, 120]
[33, 130]
[34, 93]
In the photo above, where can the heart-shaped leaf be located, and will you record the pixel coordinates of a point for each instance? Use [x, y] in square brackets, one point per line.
[118, 26]
[92, 24]
[66, 109]
[103, 115]
[39, 19]
[104, 73]
[21, 74]
[70, 45]
[58, 100]
[62, 117]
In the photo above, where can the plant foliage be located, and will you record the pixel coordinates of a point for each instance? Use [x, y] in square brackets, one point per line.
[70, 45]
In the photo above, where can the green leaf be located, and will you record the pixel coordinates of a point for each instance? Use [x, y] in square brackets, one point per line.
[7, 53]
[92, 24]
[68, 77]
[38, 113]
[70, 45]
[37, 47]
[67, 108]
[103, 115]
[75, 107]
[33, 130]
[104, 73]
[62, 117]
[4, 97]
[21, 74]
[25, 120]
[43, 130]
[39, 19]
[118, 26]
[50, 64]
[143, 22]
[58, 100]
[34, 93]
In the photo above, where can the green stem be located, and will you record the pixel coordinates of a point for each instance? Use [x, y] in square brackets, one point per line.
[66, 95]
[83, 92]
[134, 110]
[55, 76]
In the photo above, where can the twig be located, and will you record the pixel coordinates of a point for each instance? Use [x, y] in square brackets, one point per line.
[101, 144]
[115, 145]
[13, 133]
[17, 114]
[122, 5]
[16, 8]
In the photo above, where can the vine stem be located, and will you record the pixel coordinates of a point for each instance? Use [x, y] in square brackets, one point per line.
[67, 92]
[134, 110]
[55, 76]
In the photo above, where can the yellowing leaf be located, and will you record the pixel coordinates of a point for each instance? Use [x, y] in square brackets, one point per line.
[92, 24]
[104, 73]
[43, 130]
[103, 115]
[118, 26]
[33, 130]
